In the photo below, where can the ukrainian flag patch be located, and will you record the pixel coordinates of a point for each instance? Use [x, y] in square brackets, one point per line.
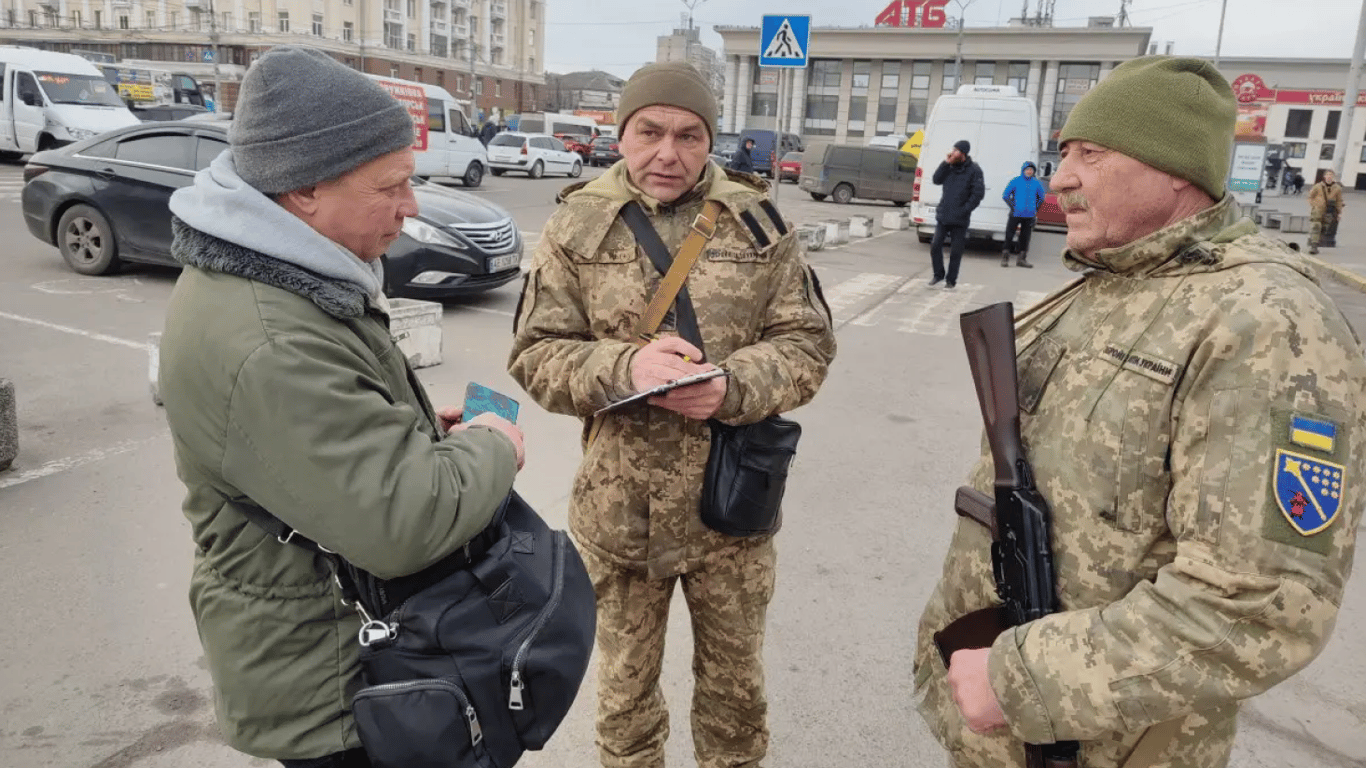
[1313, 433]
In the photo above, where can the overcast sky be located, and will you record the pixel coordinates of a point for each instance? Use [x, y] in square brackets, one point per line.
[619, 35]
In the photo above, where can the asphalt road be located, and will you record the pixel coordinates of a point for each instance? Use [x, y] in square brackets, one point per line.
[99, 663]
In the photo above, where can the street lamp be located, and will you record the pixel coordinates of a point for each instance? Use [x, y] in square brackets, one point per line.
[958, 59]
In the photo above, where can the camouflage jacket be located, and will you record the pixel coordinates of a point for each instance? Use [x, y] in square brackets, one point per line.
[1191, 416]
[635, 499]
[1321, 194]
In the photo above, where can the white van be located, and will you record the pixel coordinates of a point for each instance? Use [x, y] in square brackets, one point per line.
[554, 123]
[51, 99]
[453, 148]
[1003, 128]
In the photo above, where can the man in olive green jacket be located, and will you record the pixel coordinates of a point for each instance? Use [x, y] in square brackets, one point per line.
[283, 387]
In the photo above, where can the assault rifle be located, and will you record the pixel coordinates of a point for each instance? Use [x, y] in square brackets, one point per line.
[1018, 518]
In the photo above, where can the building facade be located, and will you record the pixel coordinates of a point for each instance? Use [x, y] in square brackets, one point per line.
[685, 44]
[491, 52]
[594, 93]
[866, 82]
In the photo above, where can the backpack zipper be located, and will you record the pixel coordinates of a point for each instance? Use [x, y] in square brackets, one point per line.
[516, 685]
[471, 717]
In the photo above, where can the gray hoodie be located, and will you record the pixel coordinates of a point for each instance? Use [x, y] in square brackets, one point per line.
[221, 204]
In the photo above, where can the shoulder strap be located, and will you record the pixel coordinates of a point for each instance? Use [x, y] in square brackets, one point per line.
[675, 270]
[675, 273]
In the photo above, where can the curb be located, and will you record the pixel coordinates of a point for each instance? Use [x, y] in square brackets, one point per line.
[1343, 276]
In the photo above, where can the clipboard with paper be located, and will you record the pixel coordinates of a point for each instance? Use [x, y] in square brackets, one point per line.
[696, 378]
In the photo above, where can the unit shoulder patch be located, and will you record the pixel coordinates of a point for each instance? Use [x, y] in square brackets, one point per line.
[1309, 478]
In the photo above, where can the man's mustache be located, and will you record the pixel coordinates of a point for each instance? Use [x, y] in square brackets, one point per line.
[1073, 201]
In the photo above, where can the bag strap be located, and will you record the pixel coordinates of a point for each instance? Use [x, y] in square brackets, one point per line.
[1151, 744]
[675, 272]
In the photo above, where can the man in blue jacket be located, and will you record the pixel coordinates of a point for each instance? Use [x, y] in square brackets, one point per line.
[964, 189]
[1024, 194]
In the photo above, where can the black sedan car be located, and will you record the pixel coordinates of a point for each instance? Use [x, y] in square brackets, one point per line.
[606, 151]
[105, 201]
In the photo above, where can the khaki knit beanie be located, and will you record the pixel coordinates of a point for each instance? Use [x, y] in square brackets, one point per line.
[671, 84]
[1174, 114]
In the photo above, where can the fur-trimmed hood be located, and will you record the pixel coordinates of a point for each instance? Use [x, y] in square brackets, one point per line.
[225, 225]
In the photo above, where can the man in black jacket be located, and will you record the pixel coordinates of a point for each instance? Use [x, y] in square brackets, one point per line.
[964, 189]
[742, 160]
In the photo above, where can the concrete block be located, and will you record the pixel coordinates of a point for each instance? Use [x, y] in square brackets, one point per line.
[861, 226]
[836, 231]
[9, 425]
[812, 237]
[1272, 219]
[895, 220]
[1295, 223]
[1248, 210]
[154, 365]
[416, 328]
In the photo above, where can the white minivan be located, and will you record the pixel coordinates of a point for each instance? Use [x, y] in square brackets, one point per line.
[50, 99]
[452, 146]
[1003, 128]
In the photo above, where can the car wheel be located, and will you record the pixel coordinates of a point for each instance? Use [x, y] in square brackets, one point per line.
[46, 142]
[576, 171]
[817, 196]
[924, 237]
[496, 171]
[899, 203]
[87, 241]
[537, 170]
[474, 175]
[842, 194]
[10, 157]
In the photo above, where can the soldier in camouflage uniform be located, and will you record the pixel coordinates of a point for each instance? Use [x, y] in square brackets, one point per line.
[1325, 210]
[1192, 407]
[634, 506]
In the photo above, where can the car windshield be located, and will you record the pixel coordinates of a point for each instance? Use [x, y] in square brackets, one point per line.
[78, 89]
[604, 141]
[792, 157]
[505, 140]
[572, 137]
[727, 143]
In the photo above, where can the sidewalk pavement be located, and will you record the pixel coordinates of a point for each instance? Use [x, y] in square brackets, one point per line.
[1342, 270]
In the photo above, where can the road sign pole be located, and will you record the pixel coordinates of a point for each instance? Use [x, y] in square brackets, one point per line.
[778, 134]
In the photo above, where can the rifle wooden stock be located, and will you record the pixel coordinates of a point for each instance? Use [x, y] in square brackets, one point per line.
[975, 505]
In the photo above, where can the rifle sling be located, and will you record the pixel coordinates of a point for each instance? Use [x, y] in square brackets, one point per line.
[675, 272]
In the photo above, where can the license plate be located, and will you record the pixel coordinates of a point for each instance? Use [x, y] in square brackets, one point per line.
[500, 263]
[929, 211]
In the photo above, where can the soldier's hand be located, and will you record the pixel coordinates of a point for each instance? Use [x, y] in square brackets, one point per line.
[450, 416]
[664, 360]
[972, 691]
[698, 401]
[494, 421]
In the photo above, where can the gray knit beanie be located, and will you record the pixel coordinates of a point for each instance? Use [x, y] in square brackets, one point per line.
[303, 117]
[670, 84]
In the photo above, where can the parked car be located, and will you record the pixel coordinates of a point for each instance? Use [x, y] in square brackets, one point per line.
[790, 167]
[534, 154]
[606, 151]
[583, 145]
[104, 201]
[845, 171]
[1050, 215]
[725, 146]
[164, 112]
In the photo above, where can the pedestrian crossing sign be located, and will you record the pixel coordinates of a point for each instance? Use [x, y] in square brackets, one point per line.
[784, 41]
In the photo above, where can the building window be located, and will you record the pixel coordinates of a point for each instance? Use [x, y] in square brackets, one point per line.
[1330, 128]
[763, 104]
[1297, 123]
[1326, 151]
[227, 22]
[417, 74]
[1074, 81]
[33, 18]
[175, 20]
[825, 73]
[858, 114]
[1295, 149]
[474, 26]
[282, 21]
[124, 23]
[441, 78]
[497, 87]
[533, 10]
[891, 76]
[412, 9]
[412, 41]
[820, 115]
[1018, 76]
[393, 35]
[479, 86]
[918, 107]
[1363, 154]
[317, 25]
[438, 45]
[985, 74]
[531, 64]
[76, 19]
[862, 70]
[196, 20]
[949, 83]
[253, 21]
[99, 19]
[348, 2]
[348, 31]
[393, 70]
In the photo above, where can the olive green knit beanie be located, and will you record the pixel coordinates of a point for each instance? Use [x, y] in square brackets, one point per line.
[670, 84]
[1174, 114]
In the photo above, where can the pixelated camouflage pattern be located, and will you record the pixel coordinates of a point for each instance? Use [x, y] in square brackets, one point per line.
[1183, 591]
[1322, 225]
[635, 498]
[1320, 195]
[728, 596]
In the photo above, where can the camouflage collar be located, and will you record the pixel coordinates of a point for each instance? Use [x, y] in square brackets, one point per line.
[1187, 241]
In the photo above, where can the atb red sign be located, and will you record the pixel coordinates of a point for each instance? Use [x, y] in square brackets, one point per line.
[928, 14]
[415, 100]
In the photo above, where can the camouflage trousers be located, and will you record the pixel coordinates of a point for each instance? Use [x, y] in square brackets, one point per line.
[1323, 227]
[728, 601]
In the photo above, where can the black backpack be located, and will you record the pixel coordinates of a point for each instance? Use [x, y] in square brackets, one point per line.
[476, 659]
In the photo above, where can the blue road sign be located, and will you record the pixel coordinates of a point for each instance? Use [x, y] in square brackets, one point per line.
[784, 41]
